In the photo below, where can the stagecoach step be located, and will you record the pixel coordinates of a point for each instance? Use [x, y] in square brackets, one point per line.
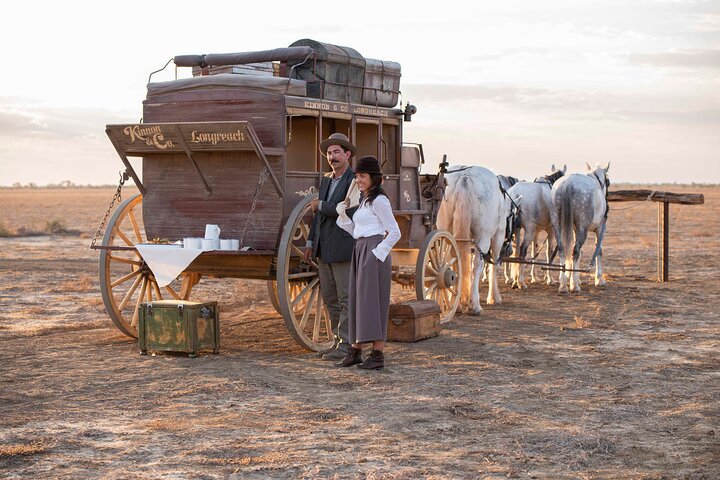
[413, 320]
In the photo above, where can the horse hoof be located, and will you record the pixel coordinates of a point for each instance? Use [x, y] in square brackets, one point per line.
[575, 290]
[600, 283]
[475, 312]
[562, 290]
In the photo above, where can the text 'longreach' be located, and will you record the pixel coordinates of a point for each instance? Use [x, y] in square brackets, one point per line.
[215, 138]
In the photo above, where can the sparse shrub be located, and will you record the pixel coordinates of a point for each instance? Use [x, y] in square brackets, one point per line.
[4, 231]
[55, 227]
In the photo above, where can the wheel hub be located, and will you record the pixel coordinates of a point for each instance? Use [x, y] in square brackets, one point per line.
[447, 277]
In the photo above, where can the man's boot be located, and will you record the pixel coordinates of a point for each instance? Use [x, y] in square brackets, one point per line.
[374, 361]
[352, 357]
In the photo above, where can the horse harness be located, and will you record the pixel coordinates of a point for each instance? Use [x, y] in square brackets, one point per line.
[605, 187]
[510, 222]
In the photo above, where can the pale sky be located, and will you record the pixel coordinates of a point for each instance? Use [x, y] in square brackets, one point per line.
[513, 86]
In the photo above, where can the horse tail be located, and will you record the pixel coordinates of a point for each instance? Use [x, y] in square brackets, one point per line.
[566, 224]
[462, 221]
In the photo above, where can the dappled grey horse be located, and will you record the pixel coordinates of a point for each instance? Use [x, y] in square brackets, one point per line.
[580, 205]
[534, 219]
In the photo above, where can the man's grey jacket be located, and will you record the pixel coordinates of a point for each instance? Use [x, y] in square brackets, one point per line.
[331, 243]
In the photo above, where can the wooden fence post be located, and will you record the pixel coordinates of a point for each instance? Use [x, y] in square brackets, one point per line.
[663, 241]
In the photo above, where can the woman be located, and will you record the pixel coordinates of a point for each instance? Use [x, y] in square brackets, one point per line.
[375, 231]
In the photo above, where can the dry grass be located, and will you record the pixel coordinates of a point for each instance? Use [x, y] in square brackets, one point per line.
[84, 284]
[24, 449]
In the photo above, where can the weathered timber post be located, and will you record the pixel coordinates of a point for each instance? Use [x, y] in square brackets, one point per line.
[664, 200]
[663, 241]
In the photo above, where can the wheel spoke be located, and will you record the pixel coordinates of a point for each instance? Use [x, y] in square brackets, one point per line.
[125, 239]
[303, 292]
[446, 294]
[433, 258]
[172, 292]
[125, 260]
[157, 290]
[139, 301]
[135, 226]
[295, 276]
[130, 292]
[428, 279]
[451, 262]
[125, 278]
[318, 319]
[301, 253]
[308, 309]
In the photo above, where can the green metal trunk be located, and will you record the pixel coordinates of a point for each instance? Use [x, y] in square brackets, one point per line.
[179, 326]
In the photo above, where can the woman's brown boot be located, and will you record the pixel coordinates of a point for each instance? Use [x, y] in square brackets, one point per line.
[374, 361]
[352, 357]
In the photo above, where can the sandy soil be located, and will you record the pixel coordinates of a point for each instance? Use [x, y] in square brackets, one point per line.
[618, 382]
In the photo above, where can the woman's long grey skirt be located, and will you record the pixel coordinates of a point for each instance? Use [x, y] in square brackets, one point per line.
[369, 292]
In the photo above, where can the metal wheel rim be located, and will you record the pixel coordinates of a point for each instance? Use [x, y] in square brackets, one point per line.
[438, 253]
[125, 280]
[299, 295]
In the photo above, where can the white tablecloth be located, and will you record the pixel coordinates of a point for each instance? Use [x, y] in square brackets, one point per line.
[167, 261]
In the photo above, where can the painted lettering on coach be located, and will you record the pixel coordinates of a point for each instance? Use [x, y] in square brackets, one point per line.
[152, 135]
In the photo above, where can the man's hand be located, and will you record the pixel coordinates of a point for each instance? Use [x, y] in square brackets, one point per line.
[308, 253]
[314, 204]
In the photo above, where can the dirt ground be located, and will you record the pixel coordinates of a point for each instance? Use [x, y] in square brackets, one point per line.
[615, 382]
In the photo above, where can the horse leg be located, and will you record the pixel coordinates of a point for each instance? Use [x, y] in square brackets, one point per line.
[475, 307]
[517, 278]
[599, 277]
[548, 254]
[580, 237]
[527, 238]
[493, 290]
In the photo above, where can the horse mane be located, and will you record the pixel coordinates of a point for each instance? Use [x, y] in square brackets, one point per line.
[551, 178]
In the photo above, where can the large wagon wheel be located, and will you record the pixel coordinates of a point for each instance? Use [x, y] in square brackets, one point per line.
[125, 279]
[295, 289]
[298, 284]
[437, 273]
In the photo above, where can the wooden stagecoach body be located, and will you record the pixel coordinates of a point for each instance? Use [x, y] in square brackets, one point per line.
[242, 152]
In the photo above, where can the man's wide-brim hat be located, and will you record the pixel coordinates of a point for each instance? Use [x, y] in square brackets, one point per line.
[369, 164]
[337, 139]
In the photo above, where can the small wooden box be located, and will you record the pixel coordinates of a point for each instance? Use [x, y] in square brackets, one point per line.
[413, 320]
[179, 326]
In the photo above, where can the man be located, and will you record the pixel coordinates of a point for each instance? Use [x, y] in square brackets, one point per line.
[330, 244]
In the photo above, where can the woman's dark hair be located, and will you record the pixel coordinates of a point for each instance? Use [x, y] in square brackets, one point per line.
[375, 187]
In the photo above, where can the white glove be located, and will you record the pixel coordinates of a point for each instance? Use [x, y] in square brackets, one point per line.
[352, 199]
[342, 216]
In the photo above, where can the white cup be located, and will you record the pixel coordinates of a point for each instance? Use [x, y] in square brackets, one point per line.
[212, 232]
[225, 244]
[192, 242]
[210, 244]
[235, 244]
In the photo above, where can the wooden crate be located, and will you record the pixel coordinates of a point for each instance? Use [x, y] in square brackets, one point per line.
[179, 326]
[413, 320]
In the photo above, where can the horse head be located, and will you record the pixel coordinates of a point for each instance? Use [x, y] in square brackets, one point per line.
[601, 174]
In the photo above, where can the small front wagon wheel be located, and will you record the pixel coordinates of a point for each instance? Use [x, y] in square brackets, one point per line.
[437, 273]
[125, 279]
[298, 284]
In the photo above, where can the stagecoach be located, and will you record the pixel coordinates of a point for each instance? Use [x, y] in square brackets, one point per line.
[236, 145]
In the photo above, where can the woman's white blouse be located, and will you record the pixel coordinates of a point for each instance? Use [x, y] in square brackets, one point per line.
[371, 219]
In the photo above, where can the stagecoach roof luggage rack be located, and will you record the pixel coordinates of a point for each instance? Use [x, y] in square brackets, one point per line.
[280, 85]
[326, 71]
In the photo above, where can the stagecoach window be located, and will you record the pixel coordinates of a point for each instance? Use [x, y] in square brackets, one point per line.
[367, 139]
[302, 143]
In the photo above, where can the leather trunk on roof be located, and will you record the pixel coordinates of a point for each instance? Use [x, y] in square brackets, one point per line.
[336, 73]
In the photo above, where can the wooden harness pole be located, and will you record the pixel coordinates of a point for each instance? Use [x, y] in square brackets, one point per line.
[664, 200]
